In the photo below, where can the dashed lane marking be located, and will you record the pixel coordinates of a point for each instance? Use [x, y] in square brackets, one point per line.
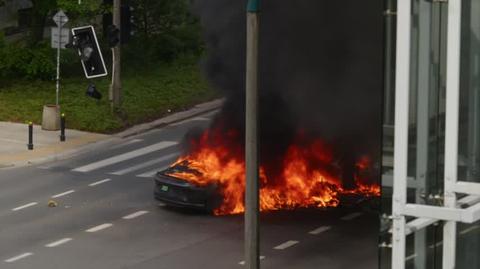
[24, 206]
[136, 214]
[63, 194]
[58, 242]
[286, 245]
[99, 228]
[320, 230]
[99, 182]
[145, 164]
[19, 257]
[352, 216]
[125, 156]
[243, 262]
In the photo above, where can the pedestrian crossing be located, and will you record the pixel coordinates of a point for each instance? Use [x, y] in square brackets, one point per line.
[144, 162]
[145, 159]
[125, 156]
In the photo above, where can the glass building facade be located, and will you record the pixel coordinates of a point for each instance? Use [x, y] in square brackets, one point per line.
[431, 64]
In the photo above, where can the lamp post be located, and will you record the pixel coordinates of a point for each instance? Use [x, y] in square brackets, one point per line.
[252, 235]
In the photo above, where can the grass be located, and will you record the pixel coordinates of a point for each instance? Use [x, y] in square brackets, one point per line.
[148, 94]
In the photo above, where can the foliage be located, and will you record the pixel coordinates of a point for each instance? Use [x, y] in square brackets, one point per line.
[87, 12]
[147, 94]
[25, 62]
[164, 29]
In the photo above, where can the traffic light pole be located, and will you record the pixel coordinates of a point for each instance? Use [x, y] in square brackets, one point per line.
[116, 86]
[252, 234]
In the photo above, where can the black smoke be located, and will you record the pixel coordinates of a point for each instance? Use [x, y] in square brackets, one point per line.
[321, 70]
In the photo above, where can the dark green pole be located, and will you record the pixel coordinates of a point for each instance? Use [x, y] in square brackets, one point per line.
[252, 235]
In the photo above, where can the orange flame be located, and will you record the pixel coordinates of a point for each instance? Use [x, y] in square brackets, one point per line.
[308, 176]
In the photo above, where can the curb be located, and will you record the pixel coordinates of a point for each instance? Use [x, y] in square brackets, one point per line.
[115, 138]
[174, 118]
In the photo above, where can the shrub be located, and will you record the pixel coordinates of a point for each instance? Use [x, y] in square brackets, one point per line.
[19, 61]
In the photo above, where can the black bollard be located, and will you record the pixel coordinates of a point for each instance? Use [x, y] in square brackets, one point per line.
[62, 127]
[30, 136]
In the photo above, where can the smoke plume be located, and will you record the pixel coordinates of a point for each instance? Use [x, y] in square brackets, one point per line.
[321, 65]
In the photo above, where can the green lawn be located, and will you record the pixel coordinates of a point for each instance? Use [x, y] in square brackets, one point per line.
[147, 95]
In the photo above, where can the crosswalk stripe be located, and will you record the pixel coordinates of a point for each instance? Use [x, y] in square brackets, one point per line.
[125, 156]
[145, 164]
[152, 172]
[133, 141]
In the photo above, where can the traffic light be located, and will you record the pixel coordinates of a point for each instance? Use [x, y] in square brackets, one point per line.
[93, 92]
[127, 26]
[85, 41]
[113, 35]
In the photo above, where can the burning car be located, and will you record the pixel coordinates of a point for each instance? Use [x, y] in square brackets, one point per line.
[176, 191]
[211, 176]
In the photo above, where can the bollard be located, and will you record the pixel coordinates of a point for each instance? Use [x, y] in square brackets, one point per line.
[30, 136]
[62, 127]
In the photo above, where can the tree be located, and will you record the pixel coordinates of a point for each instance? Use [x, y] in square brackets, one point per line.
[43, 9]
[165, 28]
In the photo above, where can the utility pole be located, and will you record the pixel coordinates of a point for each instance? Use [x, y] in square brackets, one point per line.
[252, 234]
[116, 86]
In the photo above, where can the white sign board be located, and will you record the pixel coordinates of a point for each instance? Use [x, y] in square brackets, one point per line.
[60, 38]
[60, 18]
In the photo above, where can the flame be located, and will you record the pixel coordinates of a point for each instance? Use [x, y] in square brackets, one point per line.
[308, 175]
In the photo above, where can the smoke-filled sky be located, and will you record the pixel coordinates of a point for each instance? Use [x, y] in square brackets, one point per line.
[321, 67]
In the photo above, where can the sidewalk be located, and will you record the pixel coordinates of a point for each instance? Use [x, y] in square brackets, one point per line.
[14, 140]
[47, 145]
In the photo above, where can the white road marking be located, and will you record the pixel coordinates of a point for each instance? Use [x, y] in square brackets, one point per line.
[24, 206]
[152, 172]
[21, 256]
[352, 216]
[133, 141]
[411, 257]
[58, 242]
[145, 164]
[125, 156]
[136, 214]
[99, 182]
[471, 229]
[63, 194]
[243, 262]
[286, 245]
[320, 230]
[99, 227]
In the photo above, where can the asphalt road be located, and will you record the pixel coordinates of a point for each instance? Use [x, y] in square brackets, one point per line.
[106, 217]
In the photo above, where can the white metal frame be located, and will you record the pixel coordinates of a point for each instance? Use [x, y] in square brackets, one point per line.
[466, 210]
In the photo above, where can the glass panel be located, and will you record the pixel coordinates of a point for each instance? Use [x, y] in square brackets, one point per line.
[426, 133]
[468, 245]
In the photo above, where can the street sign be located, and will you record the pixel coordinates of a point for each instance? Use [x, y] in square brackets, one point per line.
[60, 36]
[60, 18]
